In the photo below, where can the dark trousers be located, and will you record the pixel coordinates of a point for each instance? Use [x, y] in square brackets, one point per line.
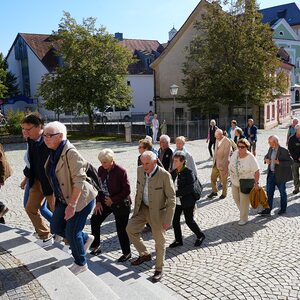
[189, 220]
[2, 207]
[72, 229]
[271, 185]
[121, 223]
[211, 145]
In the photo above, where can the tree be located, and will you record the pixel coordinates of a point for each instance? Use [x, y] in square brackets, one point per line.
[92, 73]
[232, 53]
[8, 80]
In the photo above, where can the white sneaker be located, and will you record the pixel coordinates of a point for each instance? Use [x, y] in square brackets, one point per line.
[88, 242]
[58, 239]
[66, 248]
[35, 234]
[45, 243]
[76, 269]
[241, 222]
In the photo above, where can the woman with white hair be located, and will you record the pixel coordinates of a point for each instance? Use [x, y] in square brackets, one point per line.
[114, 198]
[74, 195]
[190, 163]
[165, 153]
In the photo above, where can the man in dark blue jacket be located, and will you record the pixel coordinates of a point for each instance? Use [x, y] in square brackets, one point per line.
[279, 164]
[250, 133]
[39, 185]
[294, 148]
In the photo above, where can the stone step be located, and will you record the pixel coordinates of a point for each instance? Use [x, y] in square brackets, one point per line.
[139, 282]
[58, 281]
[95, 285]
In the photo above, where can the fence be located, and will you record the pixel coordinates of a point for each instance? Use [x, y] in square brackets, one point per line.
[192, 130]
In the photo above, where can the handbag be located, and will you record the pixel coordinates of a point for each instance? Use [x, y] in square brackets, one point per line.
[197, 190]
[247, 184]
[121, 208]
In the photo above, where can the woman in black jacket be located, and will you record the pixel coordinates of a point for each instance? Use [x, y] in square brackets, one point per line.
[184, 184]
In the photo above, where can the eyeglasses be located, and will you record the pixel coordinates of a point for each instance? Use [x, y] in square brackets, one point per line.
[27, 129]
[241, 147]
[50, 135]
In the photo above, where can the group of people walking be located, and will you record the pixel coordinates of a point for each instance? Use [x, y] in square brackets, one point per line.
[60, 192]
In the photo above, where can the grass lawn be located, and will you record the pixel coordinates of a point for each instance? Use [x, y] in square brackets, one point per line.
[92, 137]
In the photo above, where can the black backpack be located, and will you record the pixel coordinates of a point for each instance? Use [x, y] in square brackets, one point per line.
[91, 173]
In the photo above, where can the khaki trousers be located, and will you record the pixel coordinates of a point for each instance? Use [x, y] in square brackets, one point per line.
[242, 202]
[33, 206]
[134, 228]
[215, 173]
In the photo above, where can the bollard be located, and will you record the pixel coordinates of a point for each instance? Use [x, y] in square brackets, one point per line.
[128, 132]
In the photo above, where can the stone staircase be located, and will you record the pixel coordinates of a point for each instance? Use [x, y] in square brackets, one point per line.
[105, 279]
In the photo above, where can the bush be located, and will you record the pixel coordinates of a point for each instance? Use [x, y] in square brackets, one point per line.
[13, 125]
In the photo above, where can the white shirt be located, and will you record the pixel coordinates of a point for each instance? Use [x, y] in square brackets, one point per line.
[242, 168]
[176, 189]
[145, 192]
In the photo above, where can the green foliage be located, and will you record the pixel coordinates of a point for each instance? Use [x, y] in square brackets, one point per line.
[93, 71]
[232, 53]
[8, 81]
[13, 125]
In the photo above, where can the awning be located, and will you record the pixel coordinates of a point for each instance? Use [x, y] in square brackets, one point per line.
[15, 99]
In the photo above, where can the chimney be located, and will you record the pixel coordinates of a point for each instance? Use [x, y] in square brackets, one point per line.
[119, 36]
[172, 33]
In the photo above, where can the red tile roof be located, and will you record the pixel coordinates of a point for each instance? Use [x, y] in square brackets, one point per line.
[141, 45]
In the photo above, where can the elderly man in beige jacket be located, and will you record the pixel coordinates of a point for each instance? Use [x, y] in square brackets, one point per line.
[220, 164]
[155, 203]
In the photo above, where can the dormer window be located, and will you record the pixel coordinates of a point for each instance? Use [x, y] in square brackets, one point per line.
[281, 33]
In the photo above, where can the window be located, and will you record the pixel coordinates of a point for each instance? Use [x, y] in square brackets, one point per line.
[281, 33]
[273, 111]
[128, 83]
[268, 112]
[150, 103]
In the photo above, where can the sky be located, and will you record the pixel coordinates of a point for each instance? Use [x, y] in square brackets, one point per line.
[138, 19]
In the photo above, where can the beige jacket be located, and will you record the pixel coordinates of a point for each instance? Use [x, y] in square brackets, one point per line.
[221, 155]
[162, 196]
[70, 172]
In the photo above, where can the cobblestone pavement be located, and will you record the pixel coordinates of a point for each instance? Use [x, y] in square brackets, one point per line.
[16, 282]
[257, 261]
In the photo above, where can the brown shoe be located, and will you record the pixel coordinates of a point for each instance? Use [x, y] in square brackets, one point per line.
[157, 276]
[3, 211]
[141, 259]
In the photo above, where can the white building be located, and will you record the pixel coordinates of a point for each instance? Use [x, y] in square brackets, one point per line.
[32, 55]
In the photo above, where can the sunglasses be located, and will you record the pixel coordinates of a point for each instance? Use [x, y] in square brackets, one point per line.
[241, 147]
[50, 135]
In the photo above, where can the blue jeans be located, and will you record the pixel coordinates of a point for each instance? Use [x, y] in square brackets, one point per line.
[271, 185]
[72, 229]
[45, 212]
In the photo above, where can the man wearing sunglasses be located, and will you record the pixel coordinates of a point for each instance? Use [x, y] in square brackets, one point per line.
[39, 185]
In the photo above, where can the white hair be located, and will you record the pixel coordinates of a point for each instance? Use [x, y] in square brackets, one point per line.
[106, 154]
[219, 131]
[180, 138]
[149, 138]
[150, 154]
[275, 138]
[58, 127]
[165, 138]
[212, 121]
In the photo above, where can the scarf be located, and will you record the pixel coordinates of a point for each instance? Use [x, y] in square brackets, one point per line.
[53, 160]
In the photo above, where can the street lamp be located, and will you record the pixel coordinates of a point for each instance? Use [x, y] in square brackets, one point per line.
[173, 92]
[246, 113]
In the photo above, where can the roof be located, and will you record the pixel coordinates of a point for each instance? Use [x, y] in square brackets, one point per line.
[141, 45]
[290, 12]
[44, 48]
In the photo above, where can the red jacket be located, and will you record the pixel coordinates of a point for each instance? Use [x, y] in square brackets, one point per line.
[117, 184]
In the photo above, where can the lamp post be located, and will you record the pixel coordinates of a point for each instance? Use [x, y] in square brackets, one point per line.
[173, 92]
[246, 113]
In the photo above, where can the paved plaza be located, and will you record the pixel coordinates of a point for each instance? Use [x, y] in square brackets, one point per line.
[257, 261]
